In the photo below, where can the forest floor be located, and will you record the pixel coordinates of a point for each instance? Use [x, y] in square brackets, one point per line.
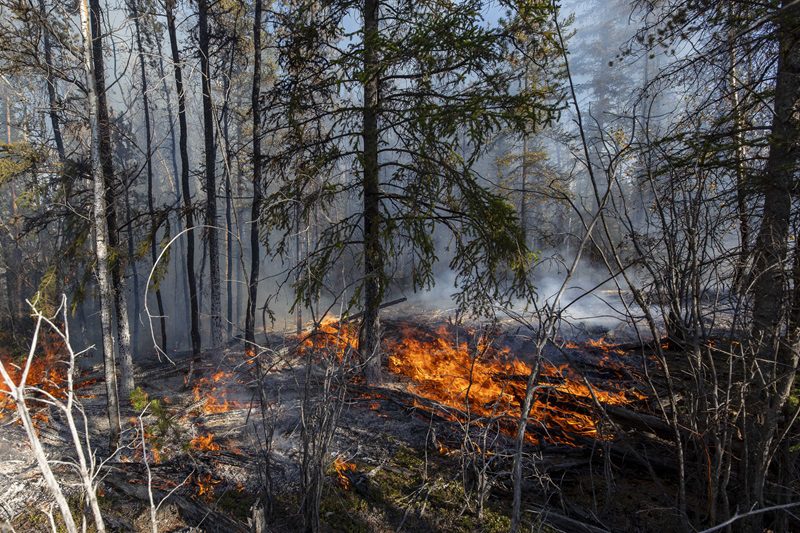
[398, 461]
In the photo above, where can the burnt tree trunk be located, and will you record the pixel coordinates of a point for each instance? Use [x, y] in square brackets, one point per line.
[183, 134]
[252, 286]
[149, 166]
[370, 334]
[774, 356]
[101, 232]
[211, 178]
[51, 87]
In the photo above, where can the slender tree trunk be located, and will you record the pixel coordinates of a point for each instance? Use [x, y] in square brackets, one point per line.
[187, 194]
[211, 179]
[255, 251]
[370, 335]
[523, 205]
[228, 200]
[134, 270]
[181, 268]
[106, 161]
[14, 257]
[51, 87]
[101, 232]
[739, 157]
[149, 165]
[775, 359]
[298, 258]
[229, 254]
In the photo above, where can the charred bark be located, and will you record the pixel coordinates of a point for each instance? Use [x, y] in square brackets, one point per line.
[149, 165]
[52, 93]
[107, 165]
[212, 234]
[370, 335]
[186, 191]
[774, 357]
[252, 286]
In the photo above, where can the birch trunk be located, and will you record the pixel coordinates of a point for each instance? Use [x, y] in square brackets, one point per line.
[100, 232]
[107, 167]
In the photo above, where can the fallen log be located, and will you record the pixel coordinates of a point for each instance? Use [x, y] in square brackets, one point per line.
[195, 512]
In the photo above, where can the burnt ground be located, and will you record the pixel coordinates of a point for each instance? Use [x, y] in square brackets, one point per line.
[407, 468]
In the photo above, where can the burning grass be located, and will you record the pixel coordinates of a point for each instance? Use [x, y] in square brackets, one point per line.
[47, 374]
[213, 392]
[470, 375]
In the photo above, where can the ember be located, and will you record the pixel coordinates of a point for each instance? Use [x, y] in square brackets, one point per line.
[205, 485]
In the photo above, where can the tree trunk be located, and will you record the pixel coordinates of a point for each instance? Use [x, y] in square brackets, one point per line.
[181, 268]
[211, 180]
[370, 335]
[228, 199]
[106, 162]
[134, 270]
[187, 195]
[775, 357]
[149, 166]
[100, 233]
[252, 286]
[739, 275]
[51, 87]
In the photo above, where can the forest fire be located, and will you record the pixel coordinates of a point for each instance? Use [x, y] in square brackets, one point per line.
[342, 467]
[47, 373]
[486, 381]
[204, 443]
[213, 393]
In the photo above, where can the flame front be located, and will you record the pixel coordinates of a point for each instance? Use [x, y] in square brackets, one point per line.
[48, 373]
[204, 443]
[485, 382]
[488, 382]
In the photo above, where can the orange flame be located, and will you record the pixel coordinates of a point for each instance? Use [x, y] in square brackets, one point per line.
[48, 372]
[486, 381]
[205, 485]
[342, 468]
[215, 397]
[204, 443]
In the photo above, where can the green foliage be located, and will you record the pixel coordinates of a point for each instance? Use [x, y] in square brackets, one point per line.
[163, 423]
[447, 89]
[139, 399]
[17, 159]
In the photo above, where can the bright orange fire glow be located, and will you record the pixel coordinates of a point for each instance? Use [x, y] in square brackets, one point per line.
[204, 443]
[342, 467]
[48, 372]
[205, 485]
[487, 382]
[332, 335]
[213, 391]
[490, 383]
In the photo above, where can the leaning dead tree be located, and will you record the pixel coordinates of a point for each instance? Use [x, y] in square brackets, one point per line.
[24, 395]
